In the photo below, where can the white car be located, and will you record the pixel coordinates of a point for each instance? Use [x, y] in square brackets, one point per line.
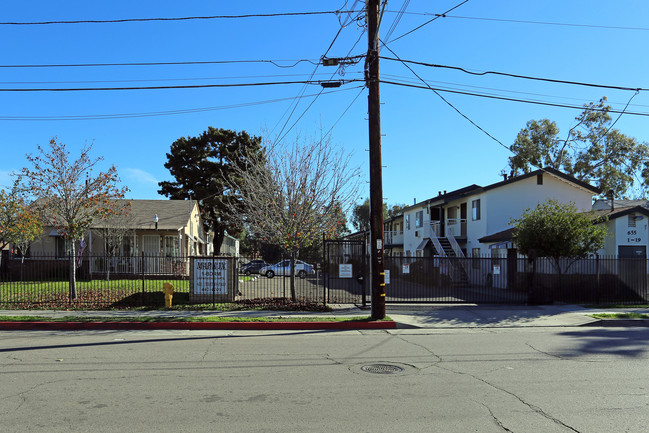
[302, 269]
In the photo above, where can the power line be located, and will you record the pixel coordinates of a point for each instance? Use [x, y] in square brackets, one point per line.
[502, 98]
[159, 113]
[145, 80]
[299, 97]
[198, 62]
[428, 22]
[526, 77]
[208, 17]
[547, 23]
[188, 86]
[463, 87]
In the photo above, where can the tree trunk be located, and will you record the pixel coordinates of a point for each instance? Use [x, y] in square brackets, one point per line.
[219, 235]
[107, 263]
[73, 273]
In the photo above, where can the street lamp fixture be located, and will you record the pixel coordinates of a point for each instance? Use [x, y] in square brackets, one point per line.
[155, 220]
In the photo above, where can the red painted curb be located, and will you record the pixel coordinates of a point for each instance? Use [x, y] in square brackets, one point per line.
[253, 326]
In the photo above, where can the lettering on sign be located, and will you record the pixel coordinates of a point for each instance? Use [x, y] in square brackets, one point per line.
[210, 276]
[345, 271]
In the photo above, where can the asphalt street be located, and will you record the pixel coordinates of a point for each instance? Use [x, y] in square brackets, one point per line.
[536, 379]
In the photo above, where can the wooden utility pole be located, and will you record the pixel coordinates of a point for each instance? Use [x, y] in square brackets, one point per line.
[376, 177]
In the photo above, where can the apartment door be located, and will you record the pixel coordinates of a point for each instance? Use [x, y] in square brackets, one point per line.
[463, 219]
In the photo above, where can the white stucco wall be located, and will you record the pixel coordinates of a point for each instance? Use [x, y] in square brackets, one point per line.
[620, 234]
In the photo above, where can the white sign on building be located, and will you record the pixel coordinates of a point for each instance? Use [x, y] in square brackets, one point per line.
[210, 276]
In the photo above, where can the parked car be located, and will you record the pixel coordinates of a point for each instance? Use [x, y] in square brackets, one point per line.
[252, 267]
[302, 269]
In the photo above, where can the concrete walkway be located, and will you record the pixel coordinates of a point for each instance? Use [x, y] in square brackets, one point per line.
[405, 316]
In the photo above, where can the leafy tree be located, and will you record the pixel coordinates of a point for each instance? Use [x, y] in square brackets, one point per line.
[201, 167]
[593, 151]
[558, 230]
[361, 214]
[395, 210]
[69, 194]
[19, 223]
[291, 195]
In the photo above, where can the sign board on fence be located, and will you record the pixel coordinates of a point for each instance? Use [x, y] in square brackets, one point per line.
[386, 277]
[405, 268]
[496, 269]
[345, 271]
[210, 276]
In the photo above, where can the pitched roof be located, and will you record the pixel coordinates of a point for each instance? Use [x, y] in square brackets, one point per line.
[619, 212]
[172, 214]
[475, 189]
[505, 235]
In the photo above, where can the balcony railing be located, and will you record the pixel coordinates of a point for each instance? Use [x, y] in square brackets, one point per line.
[454, 226]
[394, 237]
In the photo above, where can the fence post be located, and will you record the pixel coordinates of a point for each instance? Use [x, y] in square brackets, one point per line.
[325, 256]
[213, 282]
[142, 271]
[532, 296]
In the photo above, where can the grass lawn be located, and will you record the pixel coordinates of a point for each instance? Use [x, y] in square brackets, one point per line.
[182, 319]
[127, 294]
[620, 315]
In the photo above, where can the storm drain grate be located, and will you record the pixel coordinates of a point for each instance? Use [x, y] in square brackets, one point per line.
[382, 369]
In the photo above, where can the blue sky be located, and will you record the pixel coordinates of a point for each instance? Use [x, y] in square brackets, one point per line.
[427, 146]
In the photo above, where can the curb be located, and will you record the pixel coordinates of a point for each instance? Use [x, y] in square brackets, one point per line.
[233, 326]
[611, 323]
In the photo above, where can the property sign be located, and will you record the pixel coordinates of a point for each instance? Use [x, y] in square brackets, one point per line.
[405, 268]
[345, 271]
[210, 276]
[496, 269]
[386, 277]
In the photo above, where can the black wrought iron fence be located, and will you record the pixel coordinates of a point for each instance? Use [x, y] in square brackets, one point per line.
[44, 281]
[334, 278]
[262, 280]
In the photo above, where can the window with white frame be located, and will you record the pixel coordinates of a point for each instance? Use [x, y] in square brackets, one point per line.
[407, 222]
[172, 247]
[475, 208]
[419, 219]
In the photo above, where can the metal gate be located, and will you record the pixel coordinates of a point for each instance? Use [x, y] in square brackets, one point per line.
[345, 273]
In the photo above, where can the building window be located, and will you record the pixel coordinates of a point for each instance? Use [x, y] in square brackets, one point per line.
[419, 219]
[62, 247]
[172, 247]
[475, 258]
[475, 208]
[631, 221]
[407, 222]
[539, 179]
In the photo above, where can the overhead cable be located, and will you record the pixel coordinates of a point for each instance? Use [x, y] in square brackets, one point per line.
[208, 17]
[198, 62]
[526, 77]
[503, 98]
[188, 86]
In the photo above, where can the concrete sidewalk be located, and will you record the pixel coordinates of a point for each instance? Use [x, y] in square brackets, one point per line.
[405, 316]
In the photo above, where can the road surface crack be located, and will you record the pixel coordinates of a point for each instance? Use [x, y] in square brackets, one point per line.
[535, 408]
[496, 420]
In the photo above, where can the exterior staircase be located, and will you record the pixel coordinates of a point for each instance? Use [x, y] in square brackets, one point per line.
[446, 247]
[459, 277]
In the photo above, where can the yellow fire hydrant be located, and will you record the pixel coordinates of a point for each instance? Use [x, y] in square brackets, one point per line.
[168, 290]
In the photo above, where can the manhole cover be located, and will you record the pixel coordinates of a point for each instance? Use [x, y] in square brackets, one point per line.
[382, 369]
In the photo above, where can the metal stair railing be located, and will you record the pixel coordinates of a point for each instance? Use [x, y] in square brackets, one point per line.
[433, 227]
